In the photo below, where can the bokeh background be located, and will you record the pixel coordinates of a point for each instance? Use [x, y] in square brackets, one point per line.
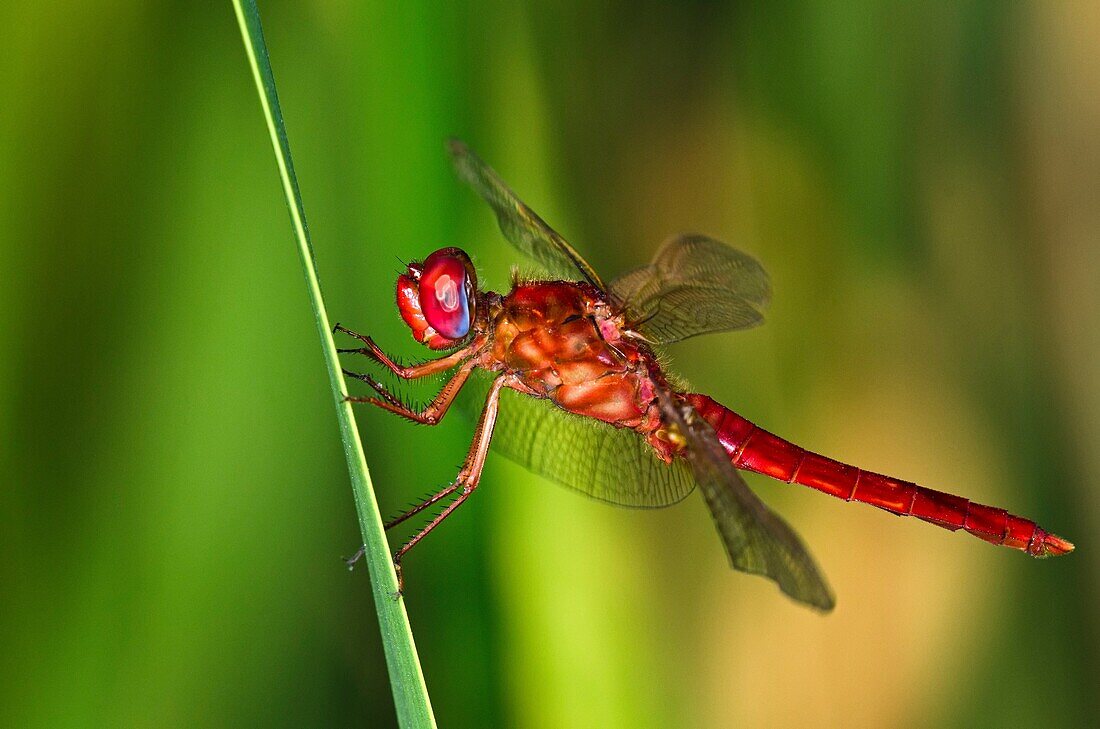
[921, 180]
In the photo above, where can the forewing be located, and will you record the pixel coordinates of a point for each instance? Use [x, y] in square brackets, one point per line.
[523, 228]
[694, 285]
[606, 463]
[757, 540]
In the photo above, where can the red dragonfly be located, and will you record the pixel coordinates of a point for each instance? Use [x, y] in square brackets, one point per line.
[616, 426]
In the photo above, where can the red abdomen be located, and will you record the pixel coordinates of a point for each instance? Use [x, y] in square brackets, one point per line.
[755, 449]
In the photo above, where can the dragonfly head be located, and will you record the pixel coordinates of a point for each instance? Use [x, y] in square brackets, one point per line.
[438, 298]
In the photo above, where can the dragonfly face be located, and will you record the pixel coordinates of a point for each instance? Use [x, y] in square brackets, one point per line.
[438, 298]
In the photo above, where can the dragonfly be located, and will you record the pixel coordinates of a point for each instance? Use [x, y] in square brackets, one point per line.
[590, 405]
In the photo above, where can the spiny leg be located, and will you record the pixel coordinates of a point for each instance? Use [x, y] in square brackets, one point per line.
[375, 385]
[431, 414]
[431, 500]
[434, 499]
[338, 327]
[468, 477]
[431, 367]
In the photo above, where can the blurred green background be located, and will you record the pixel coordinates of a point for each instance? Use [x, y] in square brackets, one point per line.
[921, 180]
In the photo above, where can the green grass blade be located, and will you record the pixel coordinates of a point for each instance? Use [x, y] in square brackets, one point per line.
[410, 695]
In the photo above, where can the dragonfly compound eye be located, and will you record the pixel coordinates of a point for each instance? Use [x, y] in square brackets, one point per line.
[446, 292]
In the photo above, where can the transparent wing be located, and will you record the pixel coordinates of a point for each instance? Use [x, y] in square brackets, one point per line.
[606, 463]
[616, 466]
[757, 540]
[523, 228]
[694, 285]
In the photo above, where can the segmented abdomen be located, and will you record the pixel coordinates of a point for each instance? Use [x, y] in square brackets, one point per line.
[755, 449]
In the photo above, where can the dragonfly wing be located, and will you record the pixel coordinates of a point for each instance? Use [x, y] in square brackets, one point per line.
[757, 540]
[605, 463]
[523, 228]
[616, 466]
[694, 285]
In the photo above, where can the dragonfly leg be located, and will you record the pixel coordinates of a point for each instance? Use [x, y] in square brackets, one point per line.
[431, 367]
[422, 505]
[436, 498]
[337, 327]
[468, 477]
[431, 414]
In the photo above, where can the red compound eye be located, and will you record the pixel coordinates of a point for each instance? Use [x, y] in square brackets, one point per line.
[446, 292]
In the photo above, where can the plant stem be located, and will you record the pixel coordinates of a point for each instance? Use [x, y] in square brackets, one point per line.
[410, 694]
